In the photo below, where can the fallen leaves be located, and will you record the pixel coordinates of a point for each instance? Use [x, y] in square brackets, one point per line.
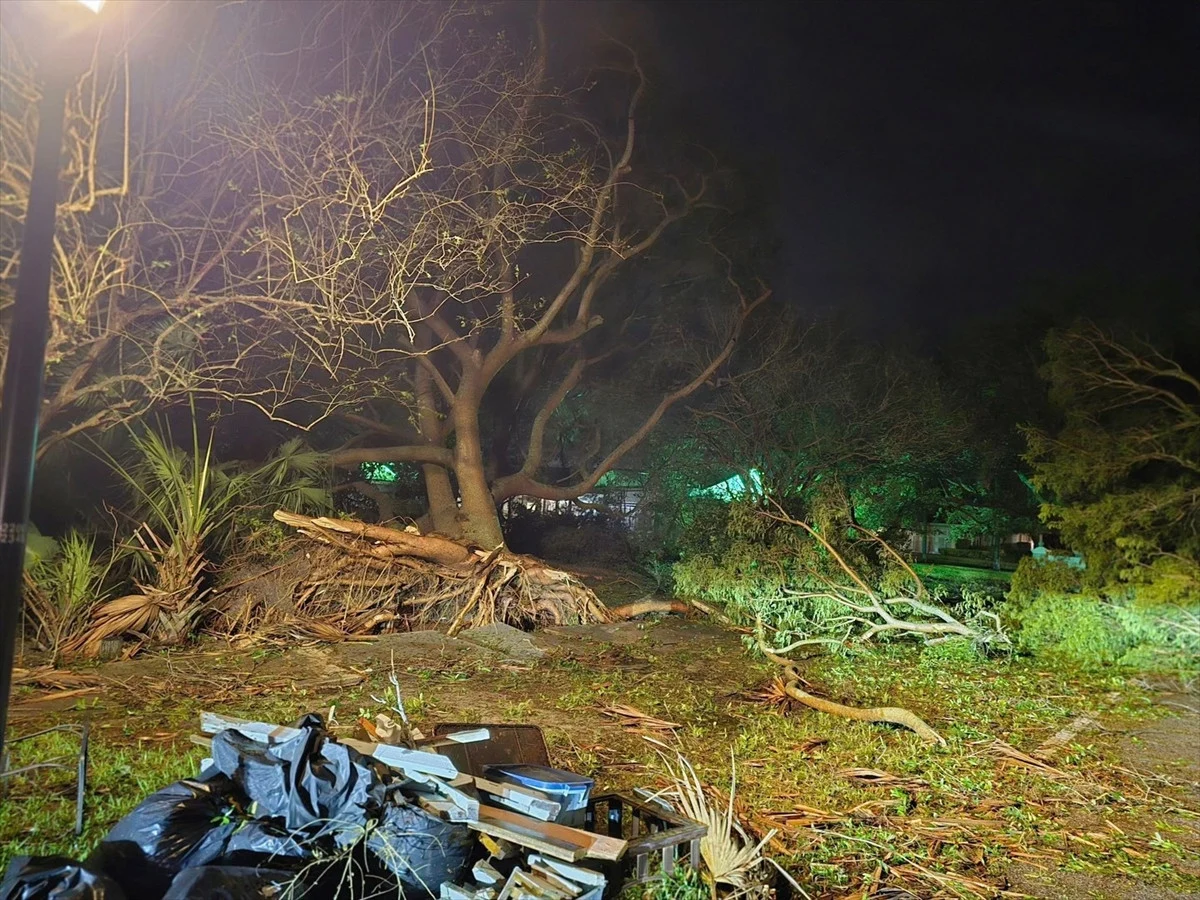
[1011, 756]
[51, 678]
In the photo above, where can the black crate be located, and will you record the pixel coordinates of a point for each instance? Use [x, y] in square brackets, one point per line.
[651, 830]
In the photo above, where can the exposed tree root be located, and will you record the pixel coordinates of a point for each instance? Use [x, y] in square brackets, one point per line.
[368, 576]
[894, 715]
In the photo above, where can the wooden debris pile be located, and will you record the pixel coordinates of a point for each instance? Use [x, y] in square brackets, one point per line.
[523, 850]
[367, 578]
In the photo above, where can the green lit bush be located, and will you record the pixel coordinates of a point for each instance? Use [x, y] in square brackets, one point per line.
[1056, 611]
[1093, 632]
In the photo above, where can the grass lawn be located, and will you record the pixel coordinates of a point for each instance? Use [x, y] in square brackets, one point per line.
[854, 805]
[961, 574]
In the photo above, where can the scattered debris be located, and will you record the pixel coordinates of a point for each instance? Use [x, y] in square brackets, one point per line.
[300, 812]
[730, 855]
[1014, 757]
[893, 715]
[50, 678]
[1077, 726]
[878, 778]
[634, 719]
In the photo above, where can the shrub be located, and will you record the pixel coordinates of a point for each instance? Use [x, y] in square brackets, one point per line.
[1093, 632]
[63, 586]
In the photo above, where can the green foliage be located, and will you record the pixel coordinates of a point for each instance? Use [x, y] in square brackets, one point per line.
[63, 589]
[1093, 633]
[760, 568]
[185, 511]
[684, 883]
[957, 652]
[1034, 578]
[38, 547]
[1124, 467]
[192, 502]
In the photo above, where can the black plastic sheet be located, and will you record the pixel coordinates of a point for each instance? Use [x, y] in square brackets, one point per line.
[55, 878]
[265, 843]
[233, 883]
[183, 825]
[419, 849]
[305, 813]
[308, 781]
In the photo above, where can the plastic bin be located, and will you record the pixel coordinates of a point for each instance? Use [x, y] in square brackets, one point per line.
[569, 790]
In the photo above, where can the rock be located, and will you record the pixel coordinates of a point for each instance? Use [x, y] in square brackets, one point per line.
[511, 643]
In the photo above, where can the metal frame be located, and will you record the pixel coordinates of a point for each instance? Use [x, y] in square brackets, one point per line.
[80, 764]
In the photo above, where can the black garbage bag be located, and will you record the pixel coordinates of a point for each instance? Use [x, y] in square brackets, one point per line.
[418, 849]
[233, 883]
[184, 824]
[308, 781]
[55, 878]
[263, 842]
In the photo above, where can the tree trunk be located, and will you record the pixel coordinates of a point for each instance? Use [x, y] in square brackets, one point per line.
[443, 508]
[478, 519]
[442, 515]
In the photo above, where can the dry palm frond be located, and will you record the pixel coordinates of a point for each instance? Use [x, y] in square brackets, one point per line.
[634, 719]
[730, 855]
[879, 778]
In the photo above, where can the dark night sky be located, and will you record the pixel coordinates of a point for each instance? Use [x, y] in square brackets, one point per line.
[935, 158]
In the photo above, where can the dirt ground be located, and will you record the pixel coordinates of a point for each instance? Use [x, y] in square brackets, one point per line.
[692, 673]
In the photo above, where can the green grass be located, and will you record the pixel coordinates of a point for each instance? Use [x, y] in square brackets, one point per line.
[961, 574]
[37, 816]
[789, 761]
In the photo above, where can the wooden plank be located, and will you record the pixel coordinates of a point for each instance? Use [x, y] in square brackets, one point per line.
[485, 873]
[506, 891]
[576, 874]
[444, 809]
[560, 837]
[570, 888]
[522, 830]
[540, 886]
[524, 800]
[396, 757]
[498, 849]
[474, 736]
[469, 804]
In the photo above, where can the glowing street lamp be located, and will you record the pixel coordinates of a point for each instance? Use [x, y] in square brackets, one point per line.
[23, 368]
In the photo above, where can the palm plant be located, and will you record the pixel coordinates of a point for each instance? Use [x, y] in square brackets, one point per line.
[62, 587]
[184, 506]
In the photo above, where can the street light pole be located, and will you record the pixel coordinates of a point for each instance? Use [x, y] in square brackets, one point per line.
[23, 369]
[21, 399]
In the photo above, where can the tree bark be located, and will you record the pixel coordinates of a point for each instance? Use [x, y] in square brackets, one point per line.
[443, 508]
[439, 494]
[478, 519]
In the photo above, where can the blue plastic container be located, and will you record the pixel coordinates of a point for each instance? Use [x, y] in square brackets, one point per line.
[570, 791]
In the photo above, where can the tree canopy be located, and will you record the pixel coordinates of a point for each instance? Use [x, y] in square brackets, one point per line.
[1123, 467]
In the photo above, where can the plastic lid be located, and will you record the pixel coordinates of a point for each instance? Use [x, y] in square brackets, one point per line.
[543, 778]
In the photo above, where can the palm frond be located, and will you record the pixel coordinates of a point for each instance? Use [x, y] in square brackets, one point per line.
[730, 855]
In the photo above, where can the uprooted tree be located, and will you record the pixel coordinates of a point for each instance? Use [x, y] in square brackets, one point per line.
[514, 265]
[391, 216]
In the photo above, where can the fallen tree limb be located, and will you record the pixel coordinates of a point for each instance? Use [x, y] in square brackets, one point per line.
[645, 606]
[893, 715]
[429, 547]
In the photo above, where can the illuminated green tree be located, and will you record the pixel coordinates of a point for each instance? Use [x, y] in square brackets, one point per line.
[1123, 468]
